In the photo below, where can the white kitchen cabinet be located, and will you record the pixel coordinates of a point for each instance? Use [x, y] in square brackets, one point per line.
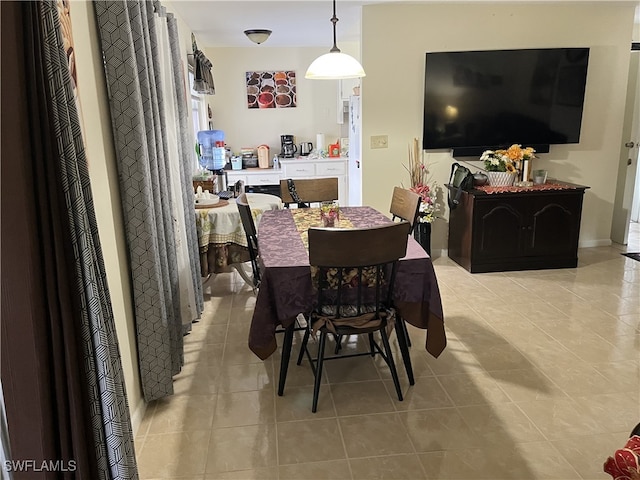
[320, 168]
[296, 168]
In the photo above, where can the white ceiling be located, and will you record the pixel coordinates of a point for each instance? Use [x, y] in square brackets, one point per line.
[301, 23]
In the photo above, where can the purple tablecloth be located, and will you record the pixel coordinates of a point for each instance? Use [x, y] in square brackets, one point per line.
[285, 289]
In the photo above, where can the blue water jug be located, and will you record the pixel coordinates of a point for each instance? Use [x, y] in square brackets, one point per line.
[211, 157]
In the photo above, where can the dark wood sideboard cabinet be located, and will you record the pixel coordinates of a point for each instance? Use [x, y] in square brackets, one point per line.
[527, 230]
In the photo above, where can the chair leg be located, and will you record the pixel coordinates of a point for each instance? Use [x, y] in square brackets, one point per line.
[286, 354]
[390, 362]
[303, 347]
[401, 329]
[372, 347]
[318, 379]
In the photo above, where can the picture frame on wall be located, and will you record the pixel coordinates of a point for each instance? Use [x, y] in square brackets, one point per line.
[271, 89]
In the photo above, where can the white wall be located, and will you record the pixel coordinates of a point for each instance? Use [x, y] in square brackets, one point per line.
[316, 99]
[395, 39]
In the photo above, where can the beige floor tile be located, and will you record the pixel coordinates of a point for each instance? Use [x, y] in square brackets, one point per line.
[267, 473]
[296, 403]
[171, 455]
[203, 355]
[472, 389]
[334, 470]
[613, 412]
[238, 353]
[540, 386]
[355, 369]
[393, 467]
[309, 441]
[439, 429]
[455, 359]
[242, 448]
[587, 453]
[373, 435]
[624, 376]
[500, 424]
[501, 357]
[426, 393]
[244, 408]
[196, 379]
[247, 377]
[526, 385]
[361, 398]
[557, 418]
[183, 414]
[581, 379]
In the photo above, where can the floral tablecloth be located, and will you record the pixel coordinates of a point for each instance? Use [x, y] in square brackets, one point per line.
[286, 288]
[221, 238]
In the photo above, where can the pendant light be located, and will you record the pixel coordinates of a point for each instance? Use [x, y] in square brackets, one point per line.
[335, 64]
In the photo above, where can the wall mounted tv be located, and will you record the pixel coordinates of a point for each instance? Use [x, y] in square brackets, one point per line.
[478, 100]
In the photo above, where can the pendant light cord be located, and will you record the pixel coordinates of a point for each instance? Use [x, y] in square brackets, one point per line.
[334, 20]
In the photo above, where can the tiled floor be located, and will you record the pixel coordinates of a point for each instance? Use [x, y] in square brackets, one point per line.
[540, 379]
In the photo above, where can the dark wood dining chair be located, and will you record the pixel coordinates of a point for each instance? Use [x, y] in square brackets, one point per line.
[354, 290]
[308, 190]
[252, 235]
[405, 205]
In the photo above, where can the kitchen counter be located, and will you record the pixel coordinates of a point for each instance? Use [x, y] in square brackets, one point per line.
[297, 167]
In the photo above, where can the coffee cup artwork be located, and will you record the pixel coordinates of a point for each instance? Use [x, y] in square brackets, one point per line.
[275, 89]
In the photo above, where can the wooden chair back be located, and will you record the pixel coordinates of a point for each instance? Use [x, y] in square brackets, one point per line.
[344, 248]
[310, 190]
[251, 233]
[405, 205]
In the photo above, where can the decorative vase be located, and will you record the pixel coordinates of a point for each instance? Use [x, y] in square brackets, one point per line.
[501, 179]
[422, 234]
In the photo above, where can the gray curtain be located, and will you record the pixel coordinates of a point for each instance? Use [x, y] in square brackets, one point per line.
[94, 323]
[160, 226]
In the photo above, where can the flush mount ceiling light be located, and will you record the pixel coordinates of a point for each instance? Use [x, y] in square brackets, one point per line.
[335, 64]
[258, 35]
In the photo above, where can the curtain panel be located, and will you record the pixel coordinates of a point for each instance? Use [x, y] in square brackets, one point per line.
[159, 220]
[61, 370]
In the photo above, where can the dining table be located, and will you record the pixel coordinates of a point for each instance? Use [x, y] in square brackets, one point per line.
[221, 238]
[286, 288]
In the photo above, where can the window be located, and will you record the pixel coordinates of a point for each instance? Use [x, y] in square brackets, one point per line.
[198, 112]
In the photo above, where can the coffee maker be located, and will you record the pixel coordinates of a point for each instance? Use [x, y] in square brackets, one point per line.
[287, 146]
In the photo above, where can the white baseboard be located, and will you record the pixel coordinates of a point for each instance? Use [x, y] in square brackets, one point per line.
[594, 243]
[137, 414]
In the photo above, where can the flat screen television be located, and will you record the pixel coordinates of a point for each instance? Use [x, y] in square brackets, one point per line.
[479, 100]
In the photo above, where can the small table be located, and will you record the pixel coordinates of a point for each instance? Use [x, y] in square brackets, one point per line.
[221, 237]
[286, 289]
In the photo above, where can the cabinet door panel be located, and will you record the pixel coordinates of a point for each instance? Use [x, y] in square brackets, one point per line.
[554, 227]
[300, 170]
[498, 228]
[330, 169]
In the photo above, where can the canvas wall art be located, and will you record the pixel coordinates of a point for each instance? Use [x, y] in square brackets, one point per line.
[271, 89]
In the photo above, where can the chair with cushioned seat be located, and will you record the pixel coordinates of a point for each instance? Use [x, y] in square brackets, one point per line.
[354, 290]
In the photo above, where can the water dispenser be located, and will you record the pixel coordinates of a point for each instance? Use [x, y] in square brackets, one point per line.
[212, 155]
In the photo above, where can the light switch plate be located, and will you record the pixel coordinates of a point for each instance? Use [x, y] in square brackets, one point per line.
[379, 141]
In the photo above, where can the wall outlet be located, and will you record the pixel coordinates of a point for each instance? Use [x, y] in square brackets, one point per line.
[379, 141]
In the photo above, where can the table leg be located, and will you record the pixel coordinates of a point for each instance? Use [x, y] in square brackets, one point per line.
[286, 354]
